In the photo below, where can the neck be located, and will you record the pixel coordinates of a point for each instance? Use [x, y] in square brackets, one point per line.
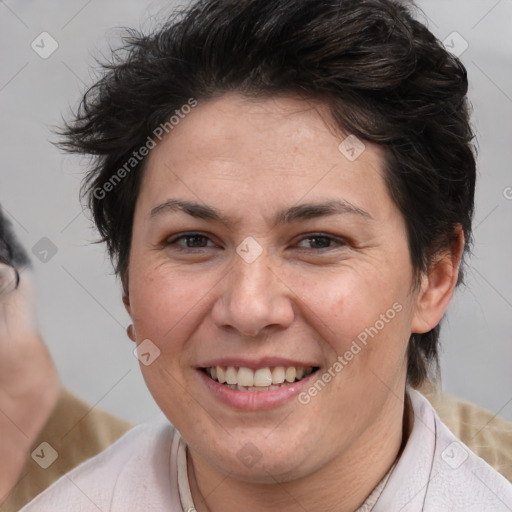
[343, 484]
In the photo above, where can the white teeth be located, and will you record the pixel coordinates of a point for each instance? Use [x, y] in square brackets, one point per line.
[278, 375]
[291, 372]
[231, 375]
[262, 379]
[245, 377]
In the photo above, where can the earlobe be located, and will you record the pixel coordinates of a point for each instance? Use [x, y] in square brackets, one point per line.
[438, 285]
[130, 331]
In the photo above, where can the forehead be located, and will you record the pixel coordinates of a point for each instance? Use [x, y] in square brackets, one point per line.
[275, 148]
[271, 130]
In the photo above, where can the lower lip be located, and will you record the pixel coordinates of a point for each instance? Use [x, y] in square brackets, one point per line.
[255, 400]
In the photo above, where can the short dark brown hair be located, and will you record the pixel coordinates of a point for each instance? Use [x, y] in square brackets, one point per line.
[383, 75]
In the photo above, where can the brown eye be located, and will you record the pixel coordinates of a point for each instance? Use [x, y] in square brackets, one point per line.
[189, 241]
[321, 241]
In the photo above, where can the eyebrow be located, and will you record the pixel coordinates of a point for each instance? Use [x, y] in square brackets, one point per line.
[297, 213]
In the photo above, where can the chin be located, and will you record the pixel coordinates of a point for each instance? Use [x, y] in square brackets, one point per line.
[257, 459]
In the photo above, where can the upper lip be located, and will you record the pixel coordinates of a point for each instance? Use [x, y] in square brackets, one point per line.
[257, 363]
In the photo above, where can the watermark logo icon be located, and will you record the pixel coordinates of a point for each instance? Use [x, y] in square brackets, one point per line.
[44, 250]
[146, 352]
[351, 148]
[249, 454]
[249, 250]
[454, 455]
[455, 44]
[44, 45]
[45, 455]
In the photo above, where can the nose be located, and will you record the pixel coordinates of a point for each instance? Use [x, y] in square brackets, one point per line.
[253, 299]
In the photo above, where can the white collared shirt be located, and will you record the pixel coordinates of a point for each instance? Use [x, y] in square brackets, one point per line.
[147, 470]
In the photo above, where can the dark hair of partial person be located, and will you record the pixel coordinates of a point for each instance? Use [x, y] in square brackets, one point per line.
[11, 251]
[382, 74]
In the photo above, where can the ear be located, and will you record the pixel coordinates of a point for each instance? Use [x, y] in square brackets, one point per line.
[125, 292]
[130, 331]
[438, 285]
[126, 302]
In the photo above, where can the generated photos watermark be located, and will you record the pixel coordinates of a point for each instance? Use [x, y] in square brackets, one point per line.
[137, 156]
[356, 347]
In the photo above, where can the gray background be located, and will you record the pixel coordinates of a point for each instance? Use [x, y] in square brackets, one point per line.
[78, 299]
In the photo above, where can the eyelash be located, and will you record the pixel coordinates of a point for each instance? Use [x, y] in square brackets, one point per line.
[311, 236]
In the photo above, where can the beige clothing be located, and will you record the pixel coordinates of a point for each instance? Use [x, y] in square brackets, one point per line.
[77, 432]
[485, 433]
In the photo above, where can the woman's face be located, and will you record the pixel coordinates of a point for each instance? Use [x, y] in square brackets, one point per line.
[274, 282]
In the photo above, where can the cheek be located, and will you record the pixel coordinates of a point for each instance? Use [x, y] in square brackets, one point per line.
[163, 302]
[363, 311]
[353, 296]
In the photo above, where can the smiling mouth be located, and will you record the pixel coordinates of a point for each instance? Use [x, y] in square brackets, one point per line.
[262, 379]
